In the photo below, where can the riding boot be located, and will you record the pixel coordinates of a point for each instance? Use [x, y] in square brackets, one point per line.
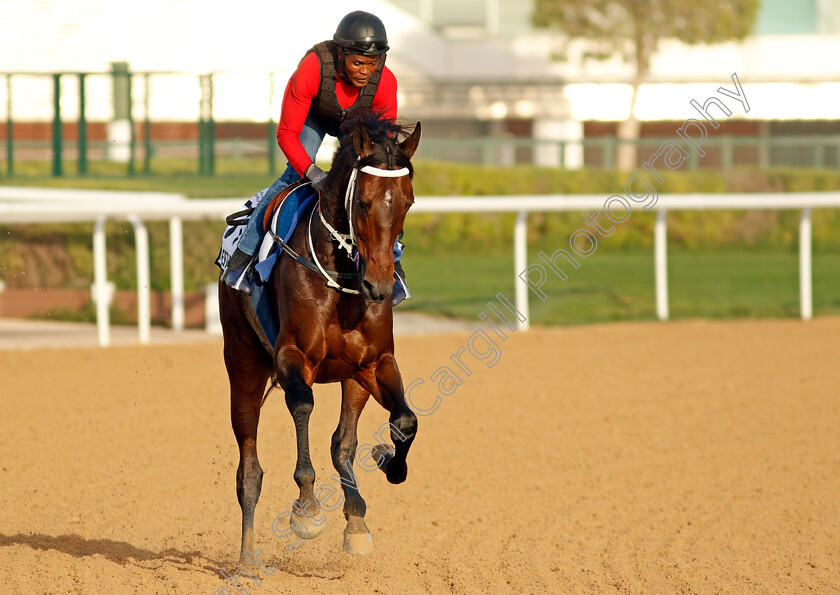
[236, 273]
[400, 291]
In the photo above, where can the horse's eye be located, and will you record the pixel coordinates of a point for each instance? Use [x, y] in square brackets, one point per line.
[362, 207]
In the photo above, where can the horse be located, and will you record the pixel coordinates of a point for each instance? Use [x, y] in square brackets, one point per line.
[335, 324]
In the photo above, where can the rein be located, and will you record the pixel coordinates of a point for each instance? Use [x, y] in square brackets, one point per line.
[347, 241]
[307, 263]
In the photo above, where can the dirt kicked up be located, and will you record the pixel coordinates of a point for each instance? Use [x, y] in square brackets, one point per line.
[697, 457]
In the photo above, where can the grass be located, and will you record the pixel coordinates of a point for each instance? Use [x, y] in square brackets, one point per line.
[620, 286]
[457, 263]
[234, 177]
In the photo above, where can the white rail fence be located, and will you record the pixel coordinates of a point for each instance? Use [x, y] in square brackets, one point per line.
[42, 205]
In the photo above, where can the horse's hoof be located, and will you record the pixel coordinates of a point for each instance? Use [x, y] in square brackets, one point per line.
[396, 473]
[358, 544]
[382, 454]
[306, 527]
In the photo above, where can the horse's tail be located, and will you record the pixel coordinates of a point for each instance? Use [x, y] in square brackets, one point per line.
[274, 384]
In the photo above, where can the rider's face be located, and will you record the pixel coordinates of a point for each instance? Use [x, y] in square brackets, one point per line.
[359, 68]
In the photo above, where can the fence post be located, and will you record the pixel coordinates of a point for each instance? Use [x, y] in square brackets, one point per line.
[144, 300]
[819, 153]
[56, 127]
[119, 128]
[211, 129]
[147, 128]
[692, 161]
[727, 157]
[201, 131]
[176, 268]
[805, 298]
[609, 152]
[660, 248]
[487, 152]
[206, 159]
[132, 137]
[100, 283]
[10, 161]
[82, 132]
[520, 262]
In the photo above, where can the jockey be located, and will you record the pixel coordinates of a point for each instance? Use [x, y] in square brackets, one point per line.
[337, 79]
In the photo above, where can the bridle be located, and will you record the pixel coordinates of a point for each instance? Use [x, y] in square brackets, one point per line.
[347, 241]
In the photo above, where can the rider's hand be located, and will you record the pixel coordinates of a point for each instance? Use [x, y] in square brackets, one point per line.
[317, 176]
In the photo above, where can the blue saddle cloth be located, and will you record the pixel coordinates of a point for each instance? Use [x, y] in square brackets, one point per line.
[292, 211]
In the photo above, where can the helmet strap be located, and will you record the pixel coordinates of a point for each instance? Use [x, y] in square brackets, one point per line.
[339, 68]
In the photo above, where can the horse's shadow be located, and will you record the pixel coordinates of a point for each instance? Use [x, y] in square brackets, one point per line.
[125, 554]
[119, 552]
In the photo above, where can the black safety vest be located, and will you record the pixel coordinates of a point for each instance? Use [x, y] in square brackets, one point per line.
[325, 107]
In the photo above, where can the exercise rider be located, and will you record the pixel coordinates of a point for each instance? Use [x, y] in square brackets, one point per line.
[336, 80]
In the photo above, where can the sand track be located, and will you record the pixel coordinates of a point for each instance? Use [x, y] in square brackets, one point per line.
[696, 457]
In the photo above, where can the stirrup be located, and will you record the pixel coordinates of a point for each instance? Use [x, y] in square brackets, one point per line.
[236, 271]
[400, 292]
[238, 280]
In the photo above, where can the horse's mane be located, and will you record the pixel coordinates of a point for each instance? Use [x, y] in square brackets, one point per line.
[383, 133]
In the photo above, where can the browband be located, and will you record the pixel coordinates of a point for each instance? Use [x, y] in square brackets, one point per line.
[384, 173]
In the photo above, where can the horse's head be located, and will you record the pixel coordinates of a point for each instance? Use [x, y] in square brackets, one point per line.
[377, 199]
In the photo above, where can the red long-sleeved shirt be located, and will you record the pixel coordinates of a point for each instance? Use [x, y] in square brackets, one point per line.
[302, 88]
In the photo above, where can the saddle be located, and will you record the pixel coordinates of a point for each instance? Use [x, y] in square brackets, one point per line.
[281, 217]
[278, 201]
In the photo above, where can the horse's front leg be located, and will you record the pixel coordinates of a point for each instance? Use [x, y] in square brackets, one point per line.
[306, 518]
[403, 423]
[357, 539]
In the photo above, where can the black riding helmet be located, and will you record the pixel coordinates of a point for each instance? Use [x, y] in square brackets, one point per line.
[361, 33]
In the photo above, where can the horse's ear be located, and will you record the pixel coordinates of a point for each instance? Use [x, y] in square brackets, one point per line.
[409, 145]
[361, 140]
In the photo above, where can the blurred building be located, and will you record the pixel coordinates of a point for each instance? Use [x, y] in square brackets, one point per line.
[472, 69]
[500, 80]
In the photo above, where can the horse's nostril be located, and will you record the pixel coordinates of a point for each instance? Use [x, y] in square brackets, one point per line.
[371, 292]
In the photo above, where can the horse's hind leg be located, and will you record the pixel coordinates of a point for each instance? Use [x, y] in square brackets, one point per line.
[247, 384]
[306, 519]
[245, 415]
[357, 539]
[248, 367]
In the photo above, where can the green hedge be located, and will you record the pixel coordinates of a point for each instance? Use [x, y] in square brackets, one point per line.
[61, 255]
[687, 229]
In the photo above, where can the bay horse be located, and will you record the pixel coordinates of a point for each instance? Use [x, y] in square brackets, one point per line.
[335, 324]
